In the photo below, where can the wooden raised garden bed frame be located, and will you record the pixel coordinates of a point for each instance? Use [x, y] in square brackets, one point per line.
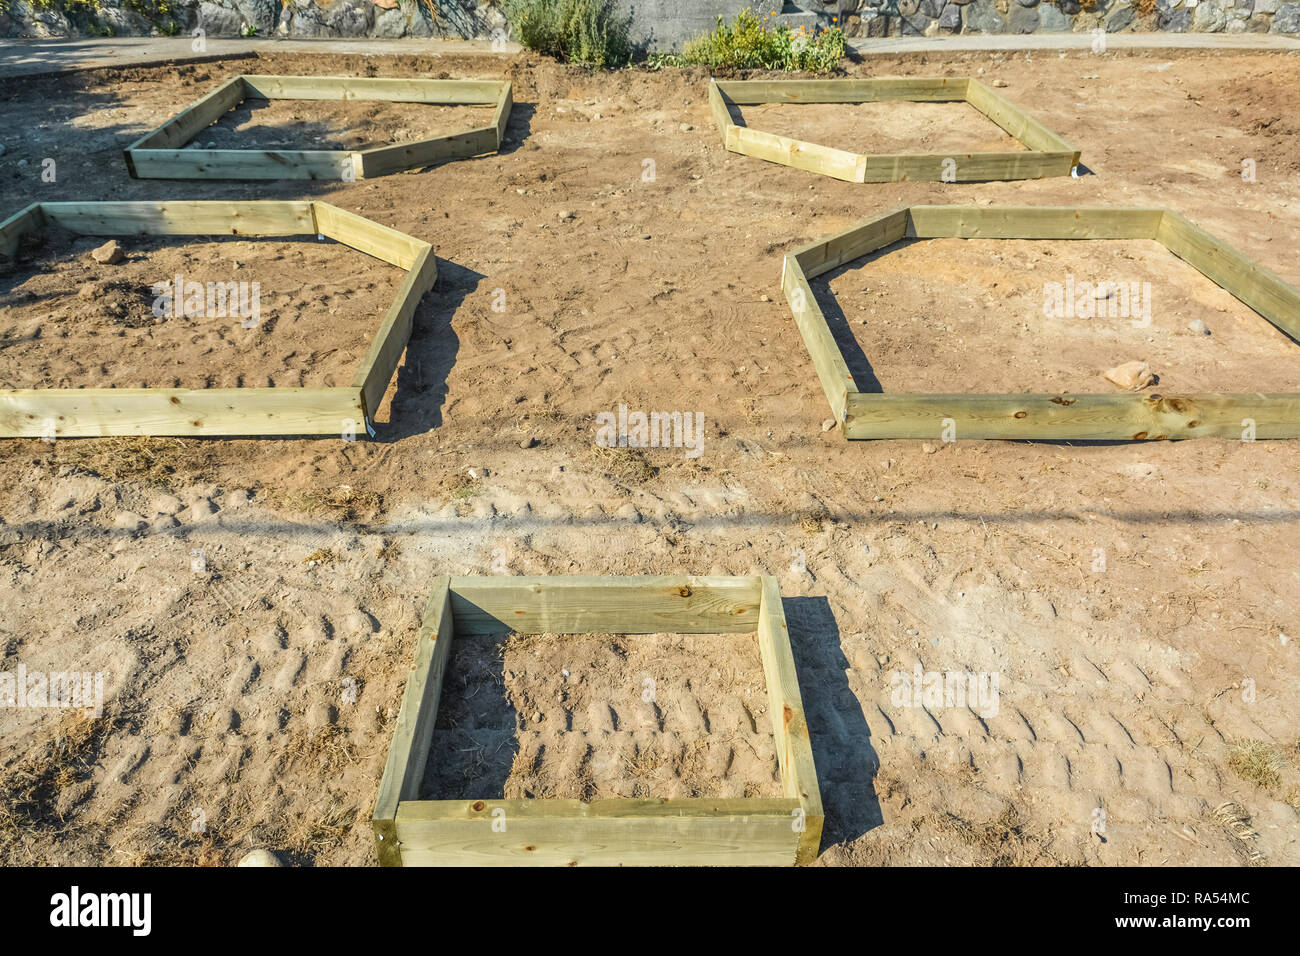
[86, 412]
[1044, 417]
[160, 154]
[1045, 154]
[692, 831]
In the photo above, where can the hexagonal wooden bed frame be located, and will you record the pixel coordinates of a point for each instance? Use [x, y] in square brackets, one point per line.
[703, 831]
[160, 154]
[1046, 154]
[1044, 417]
[86, 412]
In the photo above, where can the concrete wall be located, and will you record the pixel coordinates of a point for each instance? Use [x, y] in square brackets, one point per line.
[660, 24]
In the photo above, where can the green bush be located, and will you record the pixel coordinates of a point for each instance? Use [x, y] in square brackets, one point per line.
[590, 32]
[748, 44]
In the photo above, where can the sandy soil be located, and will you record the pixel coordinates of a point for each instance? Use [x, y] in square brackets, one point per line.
[597, 716]
[321, 124]
[299, 313]
[880, 128]
[1136, 601]
[945, 315]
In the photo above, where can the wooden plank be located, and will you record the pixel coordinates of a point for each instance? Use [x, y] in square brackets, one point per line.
[624, 605]
[1018, 124]
[201, 114]
[183, 218]
[389, 159]
[832, 371]
[789, 724]
[721, 114]
[368, 236]
[413, 733]
[793, 152]
[686, 832]
[934, 89]
[393, 89]
[1258, 287]
[12, 229]
[386, 350]
[97, 412]
[323, 164]
[965, 167]
[1032, 222]
[502, 117]
[876, 233]
[1123, 417]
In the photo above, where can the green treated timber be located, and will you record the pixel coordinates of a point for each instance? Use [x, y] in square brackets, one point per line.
[832, 371]
[390, 159]
[386, 350]
[883, 89]
[29, 219]
[319, 164]
[1260, 288]
[625, 605]
[614, 832]
[413, 733]
[182, 218]
[820, 257]
[1032, 222]
[1126, 417]
[392, 89]
[99, 412]
[789, 723]
[966, 167]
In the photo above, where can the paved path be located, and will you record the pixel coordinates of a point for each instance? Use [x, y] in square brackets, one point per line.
[1078, 41]
[36, 57]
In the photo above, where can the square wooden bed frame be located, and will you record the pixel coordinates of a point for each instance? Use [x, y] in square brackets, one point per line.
[692, 831]
[1046, 154]
[92, 412]
[160, 154]
[1044, 417]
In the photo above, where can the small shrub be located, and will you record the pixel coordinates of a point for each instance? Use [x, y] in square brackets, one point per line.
[589, 32]
[749, 44]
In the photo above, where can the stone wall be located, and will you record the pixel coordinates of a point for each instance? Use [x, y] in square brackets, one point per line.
[658, 24]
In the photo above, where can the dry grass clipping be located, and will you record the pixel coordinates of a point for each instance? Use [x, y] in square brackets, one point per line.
[341, 503]
[1258, 762]
[626, 466]
[142, 458]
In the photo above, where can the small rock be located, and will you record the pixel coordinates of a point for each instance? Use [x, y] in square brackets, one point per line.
[567, 214]
[1199, 327]
[686, 127]
[828, 424]
[1001, 84]
[260, 858]
[109, 254]
[88, 290]
[528, 443]
[928, 448]
[1131, 375]
[537, 717]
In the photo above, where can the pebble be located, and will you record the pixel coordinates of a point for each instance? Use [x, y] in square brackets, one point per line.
[928, 448]
[109, 254]
[1199, 327]
[567, 214]
[528, 443]
[686, 127]
[260, 858]
[828, 424]
[1131, 375]
[1001, 84]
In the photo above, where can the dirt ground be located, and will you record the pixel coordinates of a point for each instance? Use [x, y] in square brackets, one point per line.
[253, 604]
